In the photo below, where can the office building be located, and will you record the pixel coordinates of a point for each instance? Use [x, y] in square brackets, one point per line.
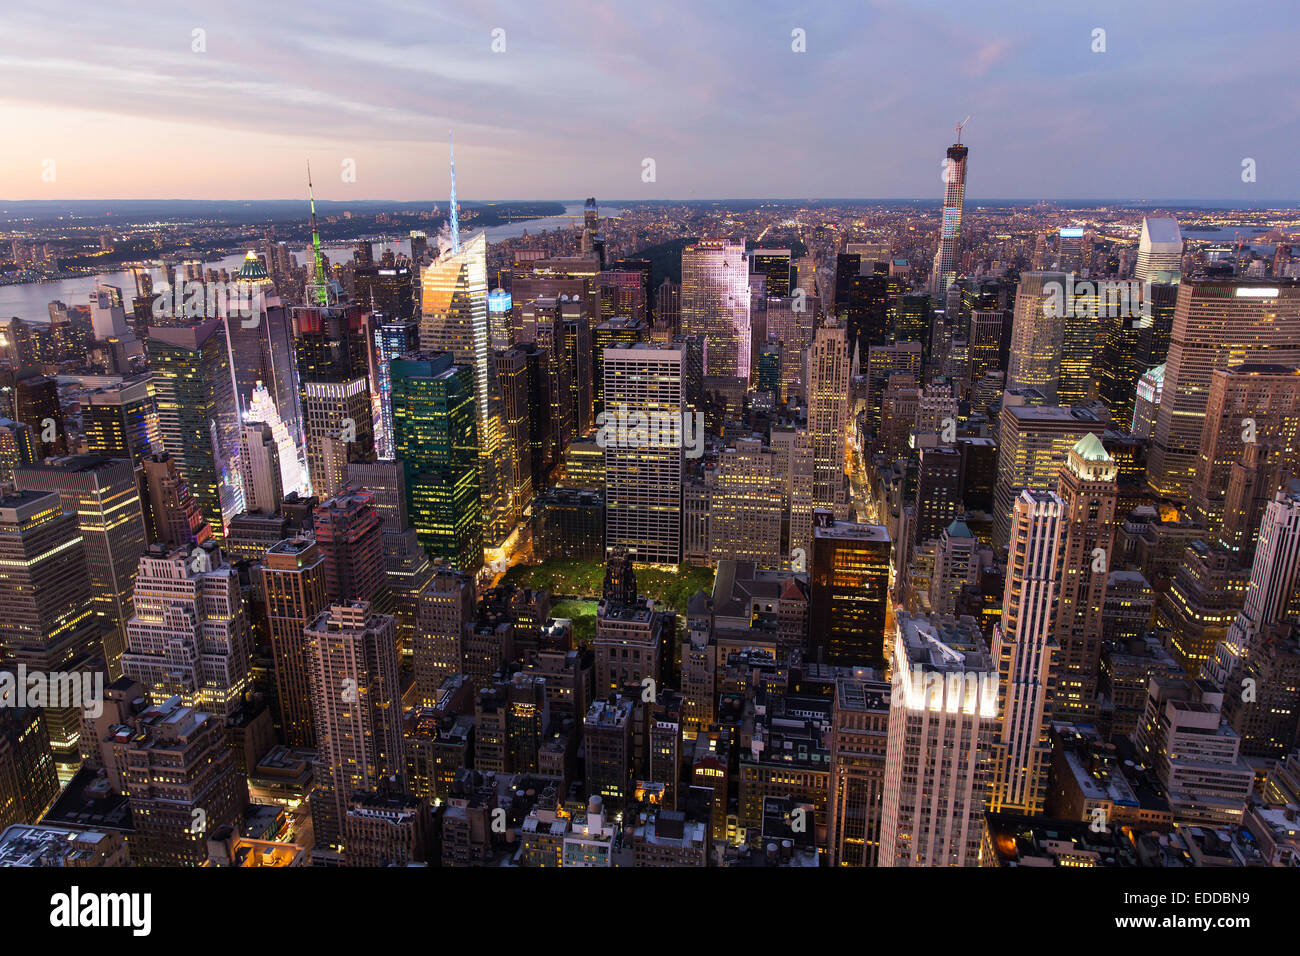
[1025, 652]
[941, 730]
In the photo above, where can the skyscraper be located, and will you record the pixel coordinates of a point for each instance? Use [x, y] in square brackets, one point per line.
[1160, 251]
[1217, 323]
[947, 256]
[263, 409]
[103, 495]
[447, 608]
[198, 415]
[1034, 441]
[643, 476]
[47, 619]
[715, 302]
[747, 504]
[356, 703]
[1248, 404]
[349, 535]
[1037, 333]
[435, 437]
[179, 776]
[828, 416]
[512, 372]
[334, 382]
[259, 466]
[392, 338]
[942, 723]
[172, 515]
[1088, 492]
[121, 421]
[293, 580]
[454, 318]
[1025, 651]
[859, 734]
[849, 592]
[189, 637]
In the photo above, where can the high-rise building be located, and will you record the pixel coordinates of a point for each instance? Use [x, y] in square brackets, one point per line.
[605, 335]
[1160, 251]
[29, 780]
[955, 566]
[938, 491]
[607, 735]
[392, 338]
[103, 495]
[17, 447]
[643, 471]
[262, 408]
[259, 465]
[829, 360]
[178, 774]
[454, 318]
[121, 421]
[190, 635]
[446, 609]
[942, 724]
[774, 266]
[1025, 651]
[1217, 323]
[1088, 492]
[356, 704]
[293, 582]
[349, 535]
[47, 619]
[512, 373]
[849, 592]
[947, 256]
[1037, 333]
[1248, 404]
[1146, 402]
[859, 734]
[172, 516]
[198, 415]
[715, 302]
[33, 399]
[747, 505]
[436, 439]
[337, 429]
[1033, 444]
[1196, 756]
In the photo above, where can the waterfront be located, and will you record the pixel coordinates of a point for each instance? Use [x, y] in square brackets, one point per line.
[30, 301]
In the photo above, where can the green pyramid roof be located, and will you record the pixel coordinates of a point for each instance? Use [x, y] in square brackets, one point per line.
[252, 267]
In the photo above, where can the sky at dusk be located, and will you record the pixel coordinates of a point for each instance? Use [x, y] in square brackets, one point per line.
[585, 90]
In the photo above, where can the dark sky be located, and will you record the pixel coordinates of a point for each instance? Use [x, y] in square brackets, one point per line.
[112, 100]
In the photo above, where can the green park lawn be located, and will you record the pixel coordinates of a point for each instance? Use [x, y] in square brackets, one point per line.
[583, 579]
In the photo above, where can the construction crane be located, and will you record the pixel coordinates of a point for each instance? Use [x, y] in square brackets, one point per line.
[960, 125]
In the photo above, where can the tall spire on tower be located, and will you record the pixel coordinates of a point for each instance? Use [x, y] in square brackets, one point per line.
[455, 216]
[317, 291]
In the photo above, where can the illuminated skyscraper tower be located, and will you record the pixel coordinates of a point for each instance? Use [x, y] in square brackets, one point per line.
[828, 416]
[1024, 650]
[1160, 251]
[954, 193]
[715, 302]
[1087, 489]
[1217, 324]
[198, 414]
[455, 319]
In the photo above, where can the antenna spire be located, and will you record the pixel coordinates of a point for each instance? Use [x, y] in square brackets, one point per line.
[318, 290]
[455, 215]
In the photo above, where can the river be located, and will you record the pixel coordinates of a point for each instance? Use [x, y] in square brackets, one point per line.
[30, 301]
